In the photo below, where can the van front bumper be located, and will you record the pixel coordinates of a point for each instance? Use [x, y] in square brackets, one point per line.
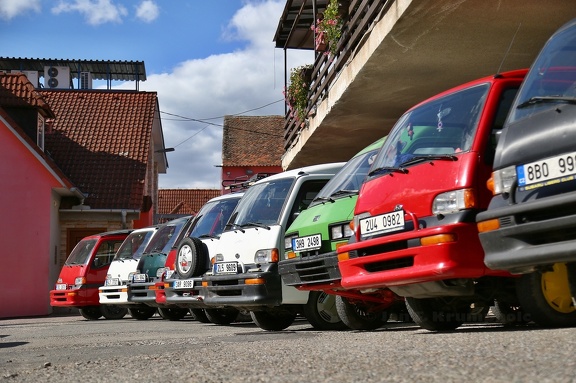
[75, 297]
[402, 259]
[530, 234]
[249, 290]
[312, 272]
[190, 297]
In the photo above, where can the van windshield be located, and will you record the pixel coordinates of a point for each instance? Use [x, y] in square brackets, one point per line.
[437, 129]
[551, 80]
[81, 252]
[348, 180]
[134, 245]
[164, 238]
[262, 203]
[213, 217]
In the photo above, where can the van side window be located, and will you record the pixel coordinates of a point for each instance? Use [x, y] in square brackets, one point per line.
[506, 99]
[307, 193]
[106, 253]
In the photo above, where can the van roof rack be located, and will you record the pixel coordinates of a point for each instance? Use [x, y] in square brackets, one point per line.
[237, 184]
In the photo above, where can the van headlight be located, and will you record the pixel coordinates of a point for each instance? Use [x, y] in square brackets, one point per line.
[453, 201]
[504, 179]
[340, 231]
[266, 256]
[288, 241]
[79, 281]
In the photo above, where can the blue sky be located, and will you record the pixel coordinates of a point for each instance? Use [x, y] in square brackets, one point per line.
[206, 59]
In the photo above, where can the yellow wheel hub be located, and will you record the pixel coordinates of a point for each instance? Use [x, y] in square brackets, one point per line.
[556, 290]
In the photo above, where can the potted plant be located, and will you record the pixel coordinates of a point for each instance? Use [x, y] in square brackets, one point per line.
[328, 28]
[296, 94]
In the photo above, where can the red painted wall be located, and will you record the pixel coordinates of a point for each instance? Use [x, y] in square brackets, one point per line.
[26, 204]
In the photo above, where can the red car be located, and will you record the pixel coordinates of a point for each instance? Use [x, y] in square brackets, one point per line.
[84, 271]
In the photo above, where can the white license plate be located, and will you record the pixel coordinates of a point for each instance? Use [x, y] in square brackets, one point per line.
[382, 223]
[183, 284]
[311, 242]
[112, 282]
[547, 172]
[137, 278]
[61, 286]
[226, 268]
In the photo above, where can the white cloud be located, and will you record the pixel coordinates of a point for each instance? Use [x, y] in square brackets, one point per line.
[147, 11]
[12, 8]
[219, 85]
[96, 12]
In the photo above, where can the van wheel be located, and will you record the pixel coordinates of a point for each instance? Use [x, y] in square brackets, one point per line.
[435, 314]
[358, 315]
[172, 313]
[142, 313]
[321, 312]
[223, 316]
[276, 319]
[546, 297]
[90, 312]
[200, 315]
[191, 258]
[113, 311]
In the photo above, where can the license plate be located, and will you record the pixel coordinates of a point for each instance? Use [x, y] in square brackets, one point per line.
[226, 268]
[112, 282]
[311, 242]
[183, 284]
[547, 172]
[139, 278]
[383, 223]
[61, 286]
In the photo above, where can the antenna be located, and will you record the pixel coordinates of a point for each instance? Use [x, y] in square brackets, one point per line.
[508, 51]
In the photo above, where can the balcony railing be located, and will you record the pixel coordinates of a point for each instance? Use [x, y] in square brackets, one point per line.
[358, 22]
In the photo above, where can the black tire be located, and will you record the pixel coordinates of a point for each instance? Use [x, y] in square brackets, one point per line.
[142, 313]
[435, 314]
[222, 316]
[113, 311]
[321, 313]
[546, 297]
[172, 313]
[90, 312]
[509, 314]
[191, 259]
[200, 315]
[273, 319]
[359, 316]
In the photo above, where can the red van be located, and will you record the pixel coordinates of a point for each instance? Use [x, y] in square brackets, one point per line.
[84, 271]
[415, 218]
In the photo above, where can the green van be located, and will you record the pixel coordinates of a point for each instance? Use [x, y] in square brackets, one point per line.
[310, 261]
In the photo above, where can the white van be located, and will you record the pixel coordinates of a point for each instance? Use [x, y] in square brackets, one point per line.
[158, 238]
[244, 270]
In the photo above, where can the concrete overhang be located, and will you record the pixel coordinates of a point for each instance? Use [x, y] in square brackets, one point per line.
[416, 50]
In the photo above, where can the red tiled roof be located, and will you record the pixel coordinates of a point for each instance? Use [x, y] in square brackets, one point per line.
[253, 141]
[17, 91]
[101, 140]
[184, 201]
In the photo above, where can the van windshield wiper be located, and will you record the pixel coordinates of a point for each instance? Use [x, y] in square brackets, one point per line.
[546, 99]
[234, 226]
[255, 224]
[344, 192]
[323, 199]
[417, 159]
[387, 169]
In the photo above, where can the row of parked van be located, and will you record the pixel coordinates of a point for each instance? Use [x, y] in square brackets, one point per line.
[468, 204]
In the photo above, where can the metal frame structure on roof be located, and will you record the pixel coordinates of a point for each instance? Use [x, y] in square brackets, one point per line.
[99, 69]
[293, 30]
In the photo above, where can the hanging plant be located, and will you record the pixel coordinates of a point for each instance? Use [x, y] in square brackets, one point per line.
[328, 29]
[296, 95]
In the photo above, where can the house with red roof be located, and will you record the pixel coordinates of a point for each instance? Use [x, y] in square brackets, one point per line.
[251, 145]
[175, 203]
[73, 163]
